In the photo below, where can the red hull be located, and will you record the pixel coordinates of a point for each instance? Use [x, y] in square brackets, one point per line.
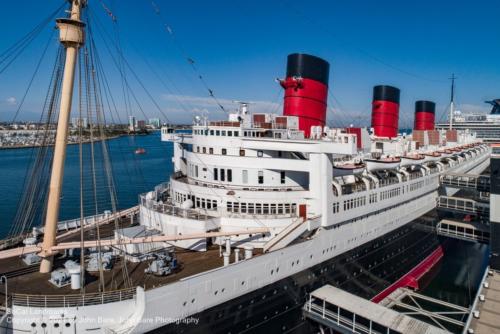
[411, 278]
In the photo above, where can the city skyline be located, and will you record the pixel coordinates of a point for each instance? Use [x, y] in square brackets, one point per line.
[385, 43]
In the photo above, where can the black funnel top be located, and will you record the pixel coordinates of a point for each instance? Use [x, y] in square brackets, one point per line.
[386, 93]
[308, 67]
[425, 106]
[496, 106]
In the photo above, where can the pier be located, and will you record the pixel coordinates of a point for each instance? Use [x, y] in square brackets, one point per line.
[346, 313]
[485, 316]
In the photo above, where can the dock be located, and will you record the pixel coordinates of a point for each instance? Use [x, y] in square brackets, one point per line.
[485, 317]
[346, 313]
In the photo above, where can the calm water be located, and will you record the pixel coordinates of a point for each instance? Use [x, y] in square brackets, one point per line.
[133, 174]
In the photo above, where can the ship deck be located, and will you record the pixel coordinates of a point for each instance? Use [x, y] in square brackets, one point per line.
[24, 279]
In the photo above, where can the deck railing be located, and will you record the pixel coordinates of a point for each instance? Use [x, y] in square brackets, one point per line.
[172, 210]
[76, 300]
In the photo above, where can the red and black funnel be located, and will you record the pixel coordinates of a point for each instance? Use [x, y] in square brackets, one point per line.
[424, 115]
[385, 111]
[306, 90]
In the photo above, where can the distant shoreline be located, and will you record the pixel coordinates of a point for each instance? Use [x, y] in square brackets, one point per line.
[76, 143]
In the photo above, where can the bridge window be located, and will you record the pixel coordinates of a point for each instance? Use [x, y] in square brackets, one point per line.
[282, 177]
[224, 151]
[261, 177]
[216, 174]
[229, 175]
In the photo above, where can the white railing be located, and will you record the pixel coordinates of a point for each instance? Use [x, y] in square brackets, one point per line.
[171, 210]
[75, 300]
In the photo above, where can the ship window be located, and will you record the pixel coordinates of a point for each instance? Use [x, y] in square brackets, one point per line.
[211, 132]
[223, 132]
[196, 171]
[250, 208]
[229, 175]
[245, 176]
[236, 133]
[198, 149]
[217, 133]
[224, 151]
[222, 175]
[261, 177]
[204, 150]
[216, 174]
[282, 177]
[242, 153]
[260, 154]
[230, 133]
[211, 150]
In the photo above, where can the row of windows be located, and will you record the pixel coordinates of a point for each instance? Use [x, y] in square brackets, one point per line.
[354, 203]
[261, 208]
[203, 150]
[223, 173]
[390, 193]
[225, 133]
[416, 185]
[198, 202]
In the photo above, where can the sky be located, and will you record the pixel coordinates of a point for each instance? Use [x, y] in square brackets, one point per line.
[240, 47]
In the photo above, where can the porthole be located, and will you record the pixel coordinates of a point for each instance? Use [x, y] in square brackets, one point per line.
[216, 292]
[192, 301]
[223, 289]
[33, 324]
[184, 304]
[44, 325]
[242, 282]
[272, 271]
[67, 324]
[277, 269]
[56, 325]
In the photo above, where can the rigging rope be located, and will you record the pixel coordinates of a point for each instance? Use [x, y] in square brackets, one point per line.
[185, 55]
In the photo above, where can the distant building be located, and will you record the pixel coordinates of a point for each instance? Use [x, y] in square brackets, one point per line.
[76, 122]
[154, 122]
[131, 123]
[141, 124]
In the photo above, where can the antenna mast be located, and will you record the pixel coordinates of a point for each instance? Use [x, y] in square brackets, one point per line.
[452, 100]
[71, 36]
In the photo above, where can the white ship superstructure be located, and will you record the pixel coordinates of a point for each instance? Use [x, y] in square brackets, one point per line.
[255, 200]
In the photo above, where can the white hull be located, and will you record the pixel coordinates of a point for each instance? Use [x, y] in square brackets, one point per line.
[156, 307]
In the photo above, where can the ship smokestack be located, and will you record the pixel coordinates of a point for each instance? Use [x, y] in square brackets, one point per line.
[385, 111]
[424, 115]
[306, 90]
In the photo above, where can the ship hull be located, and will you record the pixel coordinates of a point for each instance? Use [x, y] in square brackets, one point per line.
[365, 271]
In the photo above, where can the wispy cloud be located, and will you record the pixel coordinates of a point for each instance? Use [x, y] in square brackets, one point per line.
[198, 104]
[11, 100]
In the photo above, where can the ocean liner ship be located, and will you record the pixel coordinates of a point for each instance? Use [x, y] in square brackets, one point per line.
[486, 126]
[260, 210]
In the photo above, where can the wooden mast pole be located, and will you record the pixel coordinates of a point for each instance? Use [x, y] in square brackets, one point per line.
[71, 36]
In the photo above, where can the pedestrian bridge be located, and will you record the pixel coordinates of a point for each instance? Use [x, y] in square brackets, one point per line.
[463, 205]
[346, 313]
[466, 181]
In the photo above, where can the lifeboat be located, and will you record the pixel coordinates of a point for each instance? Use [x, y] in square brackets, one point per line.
[348, 168]
[411, 159]
[382, 163]
[445, 153]
[432, 156]
[140, 150]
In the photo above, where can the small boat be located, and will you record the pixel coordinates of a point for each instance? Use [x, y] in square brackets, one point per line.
[348, 168]
[432, 156]
[445, 153]
[382, 163]
[408, 160]
[140, 150]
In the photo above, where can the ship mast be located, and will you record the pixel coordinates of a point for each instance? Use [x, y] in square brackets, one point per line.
[452, 100]
[71, 36]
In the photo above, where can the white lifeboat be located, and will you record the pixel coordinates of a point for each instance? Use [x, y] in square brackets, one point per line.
[382, 163]
[411, 159]
[348, 168]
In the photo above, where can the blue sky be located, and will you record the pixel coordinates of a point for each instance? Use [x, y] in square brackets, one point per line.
[240, 47]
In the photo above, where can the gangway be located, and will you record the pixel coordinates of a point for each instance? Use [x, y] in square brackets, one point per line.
[444, 313]
[463, 205]
[467, 231]
[466, 181]
[346, 313]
